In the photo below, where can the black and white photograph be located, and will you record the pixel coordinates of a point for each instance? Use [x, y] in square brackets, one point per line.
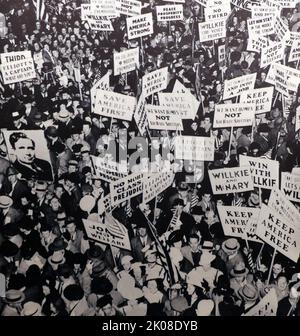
[149, 161]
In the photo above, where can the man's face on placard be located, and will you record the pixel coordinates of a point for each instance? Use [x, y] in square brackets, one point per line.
[25, 150]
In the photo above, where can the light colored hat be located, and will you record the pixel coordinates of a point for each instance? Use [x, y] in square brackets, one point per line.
[63, 114]
[207, 245]
[230, 245]
[193, 278]
[205, 307]
[126, 259]
[5, 202]
[57, 258]
[41, 186]
[126, 287]
[239, 270]
[206, 258]
[85, 149]
[31, 308]
[14, 296]
[248, 292]
[87, 203]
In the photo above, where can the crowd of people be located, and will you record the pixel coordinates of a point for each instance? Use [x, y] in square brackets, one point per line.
[180, 262]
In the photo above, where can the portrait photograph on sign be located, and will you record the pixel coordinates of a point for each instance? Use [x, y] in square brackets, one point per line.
[149, 164]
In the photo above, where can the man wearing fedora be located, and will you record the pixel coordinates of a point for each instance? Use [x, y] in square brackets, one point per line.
[230, 253]
[240, 277]
[8, 213]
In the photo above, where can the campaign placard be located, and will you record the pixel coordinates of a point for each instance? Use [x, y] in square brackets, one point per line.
[169, 13]
[194, 148]
[155, 81]
[217, 12]
[108, 170]
[139, 25]
[236, 86]
[260, 98]
[154, 184]
[128, 7]
[163, 118]
[290, 185]
[267, 306]
[126, 61]
[261, 27]
[272, 54]
[140, 115]
[295, 51]
[212, 30]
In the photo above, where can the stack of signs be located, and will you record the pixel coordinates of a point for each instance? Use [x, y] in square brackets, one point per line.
[169, 13]
[163, 118]
[234, 115]
[100, 232]
[240, 222]
[194, 148]
[179, 102]
[155, 81]
[114, 105]
[267, 306]
[265, 172]
[108, 170]
[260, 98]
[278, 232]
[236, 86]
[230, 180]
[154, 184]
[126, 61]
[290, 185]
[212, 30]
[139, 25]
[129, 7]
[126, 188]
[17, 66]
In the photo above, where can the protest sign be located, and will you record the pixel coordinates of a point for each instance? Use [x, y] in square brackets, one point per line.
[99, 232]
[290, 186]
[293, 36]
[104, 204]
[163, 118]
[257, 43]
[283, 207]
[108, 170]
[234, 115]
[279, 233]
[129, 7]
[260, 98]
[230, 180]
[267, 306]
[140, 115]
[155, 81]
[222, 55]
[86, 11]
[281, 29]
[181, 89]
[261, 27]
[169, 13]
[126, 61]
[212, 30]
[234, 87]
[114, 105]
[101, 84]
[272, 54]
[217, 13]
[194, 148]
[139, 25]
[295, 51]
[106, 7]
[178, 102]
[235, 221]
[126, 188]
[259, 12]
[99, 23]
[154, 184]
[17, 66]
[280, 79]
[265, 172]
[244, 4]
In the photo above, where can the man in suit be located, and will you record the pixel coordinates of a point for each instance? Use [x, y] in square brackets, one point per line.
[139, 242]
[26, 162]
[8, 214]
[191, 253]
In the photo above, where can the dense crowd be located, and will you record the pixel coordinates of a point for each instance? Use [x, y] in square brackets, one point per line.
[49, 265]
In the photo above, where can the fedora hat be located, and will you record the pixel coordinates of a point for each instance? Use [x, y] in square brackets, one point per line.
[239, 270]
[8, 249]
[192, 278]
[126, 287]
[206, 258]
[248, 292]
[5, 202]
[207, 245]
[230, 245]
[57, 245]
[104, 301]
[126, 259]
[101, 286]
[205, 307]
[73, 292]
[95, 252]
[57, 258]
[31, 308]
[179, 304]
[14, 296]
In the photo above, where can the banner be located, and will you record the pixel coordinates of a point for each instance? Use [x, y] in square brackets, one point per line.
[99, 232]
[114, 105]
[283, 207]
[212, 30]
[178, 102]
[261, 27]
[265, 172]
[272, 54]
[236, 86]
[154, 184]
[140, 115]
[108, 170]
[260, 98]
[139, 25]
[129, 7]
[155, 81]
[126, 188]
[234, 115]
[267, 306]
[230, 180]
[279, 233]
[17, 66]
[295, 51]
[235, 221]
[169, 13]
[290, 185]
[126, 61]
[163, 118]
[194, 148]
